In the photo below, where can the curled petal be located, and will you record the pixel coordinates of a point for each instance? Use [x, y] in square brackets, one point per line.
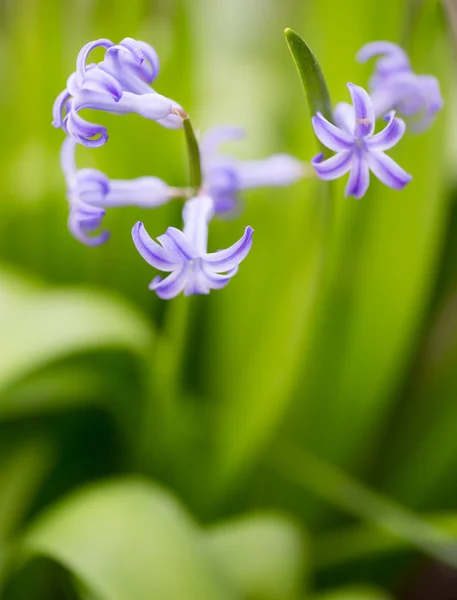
[389, 136]
[148, 71]
[215, 280]
[333, 138]
[83, 221]
[359, 177]
[84, 53]
[395, 58]
[225, 260]
[388, 171]
[92, 181]
[217, 136]
[97, 80]
[87, 134]
[364, 112]
[172, 285]
[59, 106]
[344, 117]
[333, 167]
[152, 253]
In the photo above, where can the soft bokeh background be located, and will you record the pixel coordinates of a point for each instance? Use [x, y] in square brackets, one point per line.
[292, 436]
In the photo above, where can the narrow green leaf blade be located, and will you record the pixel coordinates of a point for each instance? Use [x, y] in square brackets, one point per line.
[310, 74]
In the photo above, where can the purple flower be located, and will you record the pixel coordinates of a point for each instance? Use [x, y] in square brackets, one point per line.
[184, 253]
[90, 192]
[224, 177]
[394, 85]
[118, 84]
[358, 150]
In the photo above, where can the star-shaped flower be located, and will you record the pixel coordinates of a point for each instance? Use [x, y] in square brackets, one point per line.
[358, 150]
[184, 253]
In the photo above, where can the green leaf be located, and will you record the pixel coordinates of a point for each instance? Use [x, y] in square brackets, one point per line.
[310, 74]
[194, 155]
[127, 539]
[263, 555]
[40, 326]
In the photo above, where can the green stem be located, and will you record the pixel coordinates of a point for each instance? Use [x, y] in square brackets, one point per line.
[193, 150]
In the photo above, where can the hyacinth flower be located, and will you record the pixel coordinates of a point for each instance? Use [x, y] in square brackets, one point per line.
[358, 149]
[117, 85]
[184, 254]
[394, 85]
[90, 192]
[224, 177]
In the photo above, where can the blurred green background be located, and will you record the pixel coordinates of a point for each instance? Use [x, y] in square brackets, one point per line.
[290, 437]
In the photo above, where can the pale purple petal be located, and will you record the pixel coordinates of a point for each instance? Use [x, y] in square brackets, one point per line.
[67, 158]
[359, 177]
[276, 170]
[389, 136]
[217, 136]
[215, 280]
[197, 283]
[172, 285]
[333, 167]
[152, 253]
[83, 221]
[97, 80]
[88, 134]
[197, 213]
[84, 53]
[364, 113]
[147, 192]
[224, 260]
[177, 245]
[344, 117]
[333, 138]
[59, 106]
[395, 58]
[387, 170]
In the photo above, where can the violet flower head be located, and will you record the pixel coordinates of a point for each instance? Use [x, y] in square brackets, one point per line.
[119, 84]
[90, 192]
[184, 253]
[358, 150]
[224, 177]
[394, 85]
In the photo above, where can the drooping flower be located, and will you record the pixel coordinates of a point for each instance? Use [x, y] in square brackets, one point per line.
[90, 192]
[119, 84]
[184, 253]
[358, 150]
[224, 177]
[394, 85]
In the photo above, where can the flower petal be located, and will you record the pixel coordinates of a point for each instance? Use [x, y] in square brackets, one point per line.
[395, 58]
[333, 167]
[216, 280]
[81, 61]
[152, 253]
[276, 170]
[147, 192]
[87, 134]
[387, 170]
[224, 260]
[332, 137]
[59, 106]
[364, 113]
[216, 136]
[177, 245]
[344, 117]
[197, 213]
[389, 136]
[359, 177]
[172, 285]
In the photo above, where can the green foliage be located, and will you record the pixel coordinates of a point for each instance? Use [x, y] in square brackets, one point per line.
[318, 386]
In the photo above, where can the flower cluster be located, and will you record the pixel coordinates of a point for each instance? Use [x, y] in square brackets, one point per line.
[121, 84]
[393, 87]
